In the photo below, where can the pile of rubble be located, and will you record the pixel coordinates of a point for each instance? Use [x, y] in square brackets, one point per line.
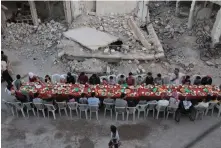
[45, 34]
[116, 25]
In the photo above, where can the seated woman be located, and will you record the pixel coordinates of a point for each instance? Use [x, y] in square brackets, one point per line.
[130, 79]
[203, 103]
[82, 79]
[158, 80]
[104, 81]
[37, 99]
[112, 81]
[186, 80]
[94, 79]
[71, 98]
[32, 77]
[47, 79]
[121, 80]
[83, 99]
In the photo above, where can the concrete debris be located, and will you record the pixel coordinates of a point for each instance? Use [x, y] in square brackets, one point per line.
[113, 51]
[210, 63]
[90, 38]
[45, 34]
[140, 67]
[106, 50]
[136, 61]
[60, 54]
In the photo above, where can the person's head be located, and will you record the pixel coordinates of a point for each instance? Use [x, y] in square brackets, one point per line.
[122, 76]
[187, 77]
[176, 71]
[2, 52]
[113, 128]
[104, 79]
[130, 74]
[83, 95]
[18, 77]
[36, 95]
[93, 94]
[149, 74]
[69, 74]
[47, 77]
[139, 78]
[122, 95]
[31, 75]
[111, 78]
[198, 77]
[159, 75]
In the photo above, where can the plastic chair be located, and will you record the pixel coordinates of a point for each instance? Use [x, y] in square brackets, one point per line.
[159, 109]
[29, 108]
[51, 108]
[19, 107]
[55, 78]
[120, 110]
[141, 108]
[109, 105]
[75, 76]
[118, 77]
[93, 108]
[83, 108]
[131, 110]
[171, 110]
[41, 107]
[151, 107]
[219, 109]
[211, 107]
[73, 106]
[10, 106]
[114, 76]
[200, 111]
[142, 102]
[102, 77]
[62, 106]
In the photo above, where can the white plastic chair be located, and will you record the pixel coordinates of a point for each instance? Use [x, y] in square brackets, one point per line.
[159, 109]
[120, 110]
[109, 105]
[219, 109]
[83, 108]
[93, 108]
[171, 110]
[151, 107]
[141, 108]
[51, 108]
[211, 107]
[75, 76]
[73, 106]
[62, 106]
[200, 111]
[10, 106]
[56, 78]
[41, 107]
[29, 108]
[19, 107]
[142, 102]
[131, 110]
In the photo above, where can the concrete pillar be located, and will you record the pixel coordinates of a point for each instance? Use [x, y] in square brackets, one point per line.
[67, 11]
[177, 7]
[190, 19]
[33, 13]
[216, 31]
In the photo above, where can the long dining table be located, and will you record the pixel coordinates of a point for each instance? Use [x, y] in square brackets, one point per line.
[147, 92]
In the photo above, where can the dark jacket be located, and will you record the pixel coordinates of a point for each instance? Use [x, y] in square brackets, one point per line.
[149, 80]
[71, 79]
[94, 80]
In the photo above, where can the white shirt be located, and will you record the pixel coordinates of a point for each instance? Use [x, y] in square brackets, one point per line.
[4, 65]
[187, 104]
[163, 103]
[173, 102]
[93, 101]
[117, 137]
[202, 104]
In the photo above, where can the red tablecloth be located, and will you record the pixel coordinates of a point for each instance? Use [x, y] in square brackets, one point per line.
[115, 91]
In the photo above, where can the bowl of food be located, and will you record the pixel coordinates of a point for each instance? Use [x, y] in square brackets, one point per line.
[147, 93]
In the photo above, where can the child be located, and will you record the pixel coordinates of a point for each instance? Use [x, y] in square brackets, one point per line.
[115, 139]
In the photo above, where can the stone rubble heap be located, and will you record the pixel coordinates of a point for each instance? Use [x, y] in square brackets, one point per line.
[116, 25]
[45, 34]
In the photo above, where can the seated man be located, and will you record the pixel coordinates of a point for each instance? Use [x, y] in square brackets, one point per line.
[17, 82]
[70, 78]
[149, 79]
[197, 80]
[104, 81]
[93, 100]
[207, 80]
[83, 99]
[186, 80]
[82, 79]
[121, 80]
[130, 79]
[112, 81]
[158, 80]
[94, 79]
[203, 103]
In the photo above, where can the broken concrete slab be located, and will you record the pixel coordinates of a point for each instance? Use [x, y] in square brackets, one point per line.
[90, 37]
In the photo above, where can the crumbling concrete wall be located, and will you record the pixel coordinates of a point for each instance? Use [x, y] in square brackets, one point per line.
[116, 7]
[216, 31]
[90, 6]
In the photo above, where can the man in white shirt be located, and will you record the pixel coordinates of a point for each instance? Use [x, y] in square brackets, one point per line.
[203, 104]
[93, 100]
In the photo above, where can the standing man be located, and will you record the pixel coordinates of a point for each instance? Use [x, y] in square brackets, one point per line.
[5, 75]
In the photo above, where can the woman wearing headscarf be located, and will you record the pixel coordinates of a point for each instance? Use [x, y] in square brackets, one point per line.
[32, 77]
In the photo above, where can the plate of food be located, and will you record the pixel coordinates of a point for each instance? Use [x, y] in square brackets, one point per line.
[169, 94]
[157, 93]
[127, 91]
[147, 93]
[42, 92]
